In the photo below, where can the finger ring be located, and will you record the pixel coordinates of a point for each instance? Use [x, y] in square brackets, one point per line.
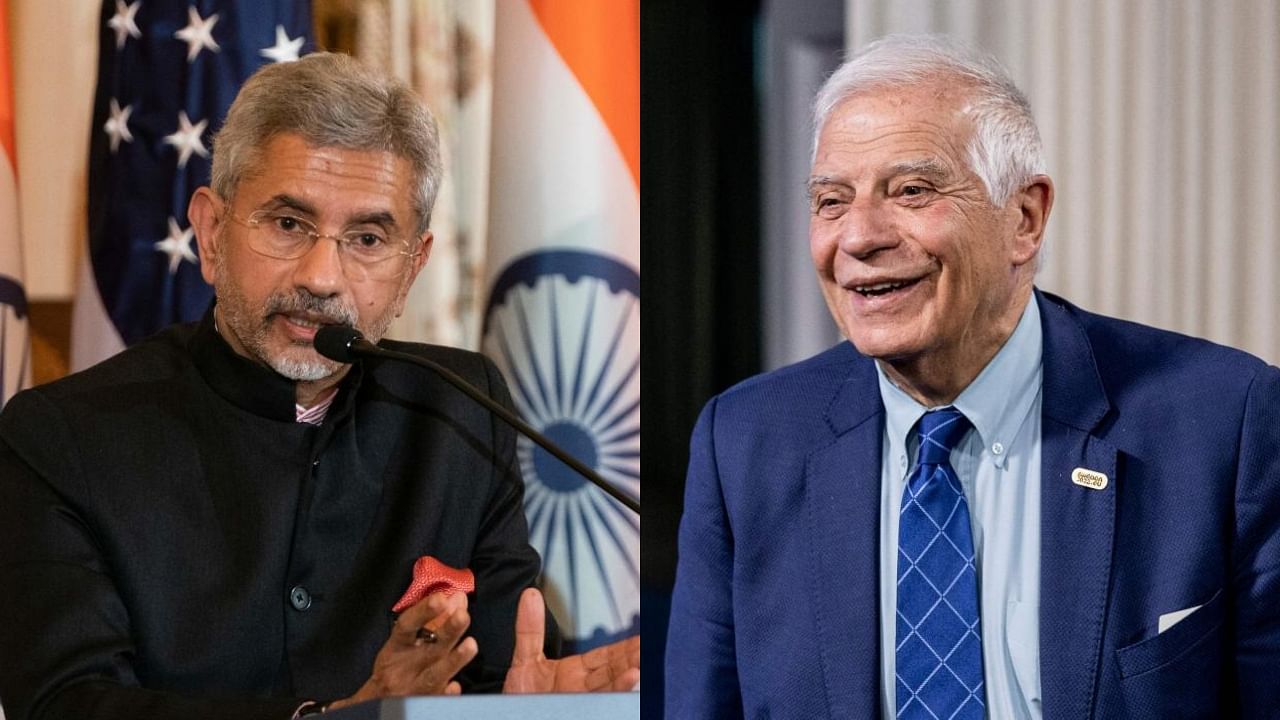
[427, 635]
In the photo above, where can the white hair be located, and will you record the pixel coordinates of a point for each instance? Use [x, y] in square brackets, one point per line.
[1004, 152]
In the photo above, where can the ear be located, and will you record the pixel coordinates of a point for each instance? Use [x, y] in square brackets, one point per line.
[204, 212]
[417, 263]
[1033, 202]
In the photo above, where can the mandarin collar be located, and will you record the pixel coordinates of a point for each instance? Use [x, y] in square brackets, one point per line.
[253, 386]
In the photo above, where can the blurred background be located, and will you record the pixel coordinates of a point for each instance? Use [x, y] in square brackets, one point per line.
[1161, 130]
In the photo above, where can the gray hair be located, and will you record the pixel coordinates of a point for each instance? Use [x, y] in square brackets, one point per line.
[1004, 152]
[330, 100]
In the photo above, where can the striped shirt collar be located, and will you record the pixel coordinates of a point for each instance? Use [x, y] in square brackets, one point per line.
[315, 414]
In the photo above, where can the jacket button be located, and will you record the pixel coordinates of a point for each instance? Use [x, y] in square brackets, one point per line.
[299, 598]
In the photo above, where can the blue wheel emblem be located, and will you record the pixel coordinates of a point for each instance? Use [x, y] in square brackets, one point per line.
[564, 328]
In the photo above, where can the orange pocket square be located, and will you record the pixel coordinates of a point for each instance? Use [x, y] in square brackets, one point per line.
[432, 576]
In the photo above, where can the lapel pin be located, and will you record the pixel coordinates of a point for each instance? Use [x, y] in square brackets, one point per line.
[1091, 479]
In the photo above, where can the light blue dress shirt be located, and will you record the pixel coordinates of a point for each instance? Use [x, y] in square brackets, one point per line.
[998, 464]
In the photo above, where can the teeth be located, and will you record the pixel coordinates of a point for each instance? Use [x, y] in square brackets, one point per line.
[303, 322]
[880, 287]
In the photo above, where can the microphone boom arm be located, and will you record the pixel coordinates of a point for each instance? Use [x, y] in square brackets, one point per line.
[360, 346]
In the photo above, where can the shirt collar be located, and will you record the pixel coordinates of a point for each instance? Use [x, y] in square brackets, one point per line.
[996, 402]
[315, 414]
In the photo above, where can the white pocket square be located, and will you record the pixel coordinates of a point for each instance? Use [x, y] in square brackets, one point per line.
[1168, 620]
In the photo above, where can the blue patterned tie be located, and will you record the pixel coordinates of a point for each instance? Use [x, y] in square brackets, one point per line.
[939, 640]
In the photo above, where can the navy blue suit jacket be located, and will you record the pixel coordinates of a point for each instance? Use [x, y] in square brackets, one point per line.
[775, 612]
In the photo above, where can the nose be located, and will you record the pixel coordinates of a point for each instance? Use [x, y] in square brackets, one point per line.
[866, 229]
[319, 270]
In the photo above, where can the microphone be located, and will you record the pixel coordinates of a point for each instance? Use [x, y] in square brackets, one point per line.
[346, 344]
[336, 343]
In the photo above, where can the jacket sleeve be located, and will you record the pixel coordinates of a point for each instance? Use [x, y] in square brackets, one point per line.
[65, 642]
[701, 665]
[1256, 556]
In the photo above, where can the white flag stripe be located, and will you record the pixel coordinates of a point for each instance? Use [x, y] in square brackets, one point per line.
[562, 320]
[14, 319]
[95, 336]
[530, 200]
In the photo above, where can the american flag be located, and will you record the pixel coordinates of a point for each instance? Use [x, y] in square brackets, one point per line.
[167, 73]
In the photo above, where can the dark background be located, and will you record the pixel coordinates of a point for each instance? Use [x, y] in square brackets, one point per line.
[700, 235]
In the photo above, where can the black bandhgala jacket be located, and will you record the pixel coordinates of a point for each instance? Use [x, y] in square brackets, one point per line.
[174, 544]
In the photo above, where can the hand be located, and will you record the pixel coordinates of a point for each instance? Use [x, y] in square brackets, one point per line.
[408, 664]
[614, 667]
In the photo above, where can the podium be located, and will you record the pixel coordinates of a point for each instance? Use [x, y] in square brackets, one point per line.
[582, 706]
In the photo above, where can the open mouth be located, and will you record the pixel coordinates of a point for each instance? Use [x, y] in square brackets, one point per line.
[305, 322]
[301, 328]
[884, 288]
[308, 318]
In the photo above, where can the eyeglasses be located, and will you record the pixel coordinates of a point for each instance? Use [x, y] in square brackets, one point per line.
[365, 252]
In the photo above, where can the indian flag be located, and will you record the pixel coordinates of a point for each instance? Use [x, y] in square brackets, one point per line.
[15, 372]
[562, 318]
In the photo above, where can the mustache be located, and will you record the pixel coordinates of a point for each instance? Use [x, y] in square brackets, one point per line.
[331, 310]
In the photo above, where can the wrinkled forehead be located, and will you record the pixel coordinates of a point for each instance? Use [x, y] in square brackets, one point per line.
[946, 106]
[293, 158]
[879, 116]
[924, 123]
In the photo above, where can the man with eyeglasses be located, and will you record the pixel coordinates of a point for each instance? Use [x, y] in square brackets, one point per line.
[217, 522]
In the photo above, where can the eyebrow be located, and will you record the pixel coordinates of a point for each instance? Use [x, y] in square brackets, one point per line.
[929, 167]
[291, 202]
[817, 180]
[374, 217]
[369, 217]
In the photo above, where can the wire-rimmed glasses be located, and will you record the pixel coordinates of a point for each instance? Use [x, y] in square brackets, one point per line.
[366, 251]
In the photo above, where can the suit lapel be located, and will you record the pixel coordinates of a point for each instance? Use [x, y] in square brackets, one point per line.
[1077, 524]
[842, 488]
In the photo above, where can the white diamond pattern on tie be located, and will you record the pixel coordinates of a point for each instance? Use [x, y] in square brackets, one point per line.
[939, 652]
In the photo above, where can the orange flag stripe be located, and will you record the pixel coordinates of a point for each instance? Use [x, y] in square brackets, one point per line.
[600, 42]
[6, 88]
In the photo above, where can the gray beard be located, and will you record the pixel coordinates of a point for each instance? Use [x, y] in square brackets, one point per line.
[301, 370]
[252, 325]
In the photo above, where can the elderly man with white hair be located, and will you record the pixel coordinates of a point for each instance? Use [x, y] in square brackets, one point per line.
[988, 502]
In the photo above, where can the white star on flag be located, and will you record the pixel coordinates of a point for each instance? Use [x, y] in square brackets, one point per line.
[117, 126]
[123, 23]
[285, 50]
[187, 139]
[177, 246]
[198, 34]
